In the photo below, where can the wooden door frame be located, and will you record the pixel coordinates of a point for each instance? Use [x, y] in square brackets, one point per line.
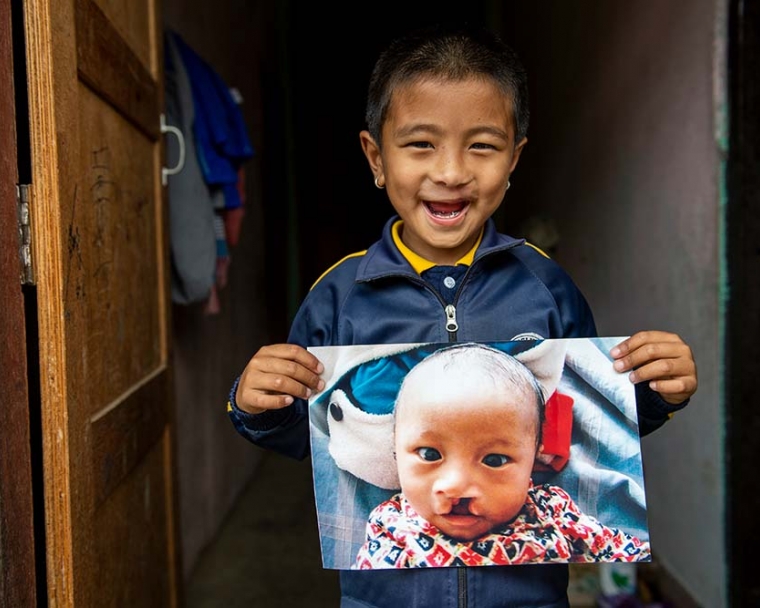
[742, 321]
[17, 578]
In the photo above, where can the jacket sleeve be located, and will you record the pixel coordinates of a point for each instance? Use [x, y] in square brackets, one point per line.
[653, 411]
[578, 321]
[286, 430]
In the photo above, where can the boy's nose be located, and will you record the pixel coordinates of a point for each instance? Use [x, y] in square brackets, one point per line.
[451, 169]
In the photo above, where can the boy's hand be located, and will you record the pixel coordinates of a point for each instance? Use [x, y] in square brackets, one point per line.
[661, 358]
[275, 376]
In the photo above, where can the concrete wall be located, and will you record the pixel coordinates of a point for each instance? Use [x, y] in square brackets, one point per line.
[214, 461]
[622, 156]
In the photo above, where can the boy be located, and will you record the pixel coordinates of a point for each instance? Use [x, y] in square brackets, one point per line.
[447, 119]
[468, 422]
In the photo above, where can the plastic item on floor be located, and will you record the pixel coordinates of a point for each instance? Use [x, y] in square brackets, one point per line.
[617, 578]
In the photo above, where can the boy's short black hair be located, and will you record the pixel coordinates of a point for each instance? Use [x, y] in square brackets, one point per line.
[448, 52]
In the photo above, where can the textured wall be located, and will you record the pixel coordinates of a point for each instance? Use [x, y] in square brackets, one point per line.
[214, 461]
[623, 157]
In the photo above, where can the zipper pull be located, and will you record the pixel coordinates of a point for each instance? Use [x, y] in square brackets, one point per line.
[451, 319]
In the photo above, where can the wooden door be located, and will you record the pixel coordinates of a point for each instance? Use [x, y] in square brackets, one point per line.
[100, 253]
[17, 572]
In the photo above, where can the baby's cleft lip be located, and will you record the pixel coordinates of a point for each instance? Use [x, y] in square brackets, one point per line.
[462, 507]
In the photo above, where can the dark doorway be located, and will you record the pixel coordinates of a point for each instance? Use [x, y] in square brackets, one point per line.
[742, 366]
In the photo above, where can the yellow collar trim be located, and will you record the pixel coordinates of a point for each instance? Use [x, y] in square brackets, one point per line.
[419, 263]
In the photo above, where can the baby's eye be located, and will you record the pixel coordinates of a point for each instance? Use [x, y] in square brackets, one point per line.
[495, 460]
[429, 454]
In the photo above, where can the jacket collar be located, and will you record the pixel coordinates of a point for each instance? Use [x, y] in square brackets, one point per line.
[384, 259]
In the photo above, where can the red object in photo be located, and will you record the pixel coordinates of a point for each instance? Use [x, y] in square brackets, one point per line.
[557, 430]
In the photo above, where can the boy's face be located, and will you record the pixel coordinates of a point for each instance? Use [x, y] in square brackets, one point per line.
[465, 449]
[448, 151]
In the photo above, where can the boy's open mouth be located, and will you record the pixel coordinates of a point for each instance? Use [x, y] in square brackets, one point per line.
[446, 211]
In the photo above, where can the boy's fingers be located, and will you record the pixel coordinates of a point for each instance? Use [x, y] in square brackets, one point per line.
[642, 338]
[653, 351]
[676, 390]
[291, 352]
[662, 369]
[275, 375]
[274, 383]
[260, 391]
[270, 373]
[257, 402]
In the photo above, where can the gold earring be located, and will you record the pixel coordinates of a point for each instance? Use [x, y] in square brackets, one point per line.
[377, 183]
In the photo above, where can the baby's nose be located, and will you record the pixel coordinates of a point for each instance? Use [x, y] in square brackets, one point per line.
[454, 483]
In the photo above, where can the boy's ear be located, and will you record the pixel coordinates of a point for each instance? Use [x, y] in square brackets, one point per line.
[518, 150]
[375, 159]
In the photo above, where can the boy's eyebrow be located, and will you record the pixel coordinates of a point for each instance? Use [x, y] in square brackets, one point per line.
[490, 130]
[415, 129]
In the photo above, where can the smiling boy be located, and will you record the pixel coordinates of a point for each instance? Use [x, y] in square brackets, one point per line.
[447, 120]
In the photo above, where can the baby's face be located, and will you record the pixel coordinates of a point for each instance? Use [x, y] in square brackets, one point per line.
[465, 450]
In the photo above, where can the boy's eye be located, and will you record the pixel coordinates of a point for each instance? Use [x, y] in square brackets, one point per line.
[429, 454]
[483, 146]
[420, 144]
[495, 460]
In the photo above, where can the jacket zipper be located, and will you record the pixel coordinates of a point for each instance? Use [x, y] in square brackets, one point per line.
[451, 310]
[461, 588]
[451, 322]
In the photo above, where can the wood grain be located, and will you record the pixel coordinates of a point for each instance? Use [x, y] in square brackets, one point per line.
[108, 65]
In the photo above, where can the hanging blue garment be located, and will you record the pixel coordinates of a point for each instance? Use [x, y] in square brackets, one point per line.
[221, 139]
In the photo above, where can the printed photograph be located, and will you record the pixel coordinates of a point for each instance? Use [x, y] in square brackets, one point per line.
[476, 454]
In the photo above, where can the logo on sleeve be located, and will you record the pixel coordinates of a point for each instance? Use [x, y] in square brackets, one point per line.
[527, 336]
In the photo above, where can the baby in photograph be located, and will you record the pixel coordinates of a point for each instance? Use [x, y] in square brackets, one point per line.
[468, 422]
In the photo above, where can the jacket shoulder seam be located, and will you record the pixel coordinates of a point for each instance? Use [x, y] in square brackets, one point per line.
[334, 266]
[541, 251]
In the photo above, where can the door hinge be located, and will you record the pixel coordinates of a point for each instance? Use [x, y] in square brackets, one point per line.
[24, 234]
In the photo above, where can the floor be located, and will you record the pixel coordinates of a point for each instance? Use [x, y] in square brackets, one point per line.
[267, 554]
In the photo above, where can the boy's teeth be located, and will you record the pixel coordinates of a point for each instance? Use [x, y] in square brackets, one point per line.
[444, 214]
[445, 211]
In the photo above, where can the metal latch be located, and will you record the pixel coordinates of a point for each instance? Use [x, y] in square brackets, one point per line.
[24, 234]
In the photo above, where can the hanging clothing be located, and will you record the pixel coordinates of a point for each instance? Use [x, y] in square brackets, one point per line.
[206, 198]
[222, 142]
[191, 200]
